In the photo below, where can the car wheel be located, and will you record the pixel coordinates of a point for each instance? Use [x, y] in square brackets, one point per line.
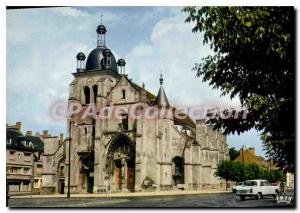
[242, 198]
[259, 195]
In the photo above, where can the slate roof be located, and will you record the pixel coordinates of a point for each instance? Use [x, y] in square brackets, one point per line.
[162, 99]
[17, 137]
[37, 142]
[152, 98]
[95, 60]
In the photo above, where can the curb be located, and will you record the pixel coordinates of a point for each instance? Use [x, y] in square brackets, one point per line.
[115, 195]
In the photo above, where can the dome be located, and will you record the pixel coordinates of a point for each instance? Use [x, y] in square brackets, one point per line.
[80, 56]
[95, 60]
[121, 62]
[101, 29]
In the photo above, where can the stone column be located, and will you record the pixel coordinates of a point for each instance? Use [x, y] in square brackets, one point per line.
[196, 166]
[187, 168]
[138, 155]
[158, 167]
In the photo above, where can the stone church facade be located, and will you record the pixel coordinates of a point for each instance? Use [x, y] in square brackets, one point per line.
[128, 153]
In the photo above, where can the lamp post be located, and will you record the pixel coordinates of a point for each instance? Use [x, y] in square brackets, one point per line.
[32, 177]
[7, 189]
[69, 157]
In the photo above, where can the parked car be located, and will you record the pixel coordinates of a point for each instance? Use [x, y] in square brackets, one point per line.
[234, 187]
[257, 188]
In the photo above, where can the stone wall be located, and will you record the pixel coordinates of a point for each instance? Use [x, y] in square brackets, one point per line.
[54, 152]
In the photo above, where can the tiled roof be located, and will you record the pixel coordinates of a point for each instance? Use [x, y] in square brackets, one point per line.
[249, 157]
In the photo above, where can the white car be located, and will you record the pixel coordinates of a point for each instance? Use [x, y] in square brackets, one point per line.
[257, 188]
[234, 187]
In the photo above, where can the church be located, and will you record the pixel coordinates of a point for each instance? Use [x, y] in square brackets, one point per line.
[131, 154]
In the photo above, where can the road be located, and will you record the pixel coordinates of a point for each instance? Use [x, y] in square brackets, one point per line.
[186, 201]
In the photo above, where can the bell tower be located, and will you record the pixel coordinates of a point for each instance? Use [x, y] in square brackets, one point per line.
[94, 78]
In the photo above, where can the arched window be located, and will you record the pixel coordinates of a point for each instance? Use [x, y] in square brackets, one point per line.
[108, 61]
[95, 90]
[123, 94]
[87, 94]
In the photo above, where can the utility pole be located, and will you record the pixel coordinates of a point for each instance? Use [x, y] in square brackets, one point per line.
[243, 162]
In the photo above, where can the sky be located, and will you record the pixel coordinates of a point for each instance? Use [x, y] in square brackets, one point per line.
[41, 55]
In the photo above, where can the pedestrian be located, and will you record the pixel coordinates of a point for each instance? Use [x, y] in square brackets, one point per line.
[107, 187]
[282, 187]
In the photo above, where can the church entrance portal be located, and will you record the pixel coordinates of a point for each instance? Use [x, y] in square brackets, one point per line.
[120, 163]
[87, 172]
[178, 170]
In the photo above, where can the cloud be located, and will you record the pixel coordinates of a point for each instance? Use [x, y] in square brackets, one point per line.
[173, 50]
[40, 61]
[71, 11]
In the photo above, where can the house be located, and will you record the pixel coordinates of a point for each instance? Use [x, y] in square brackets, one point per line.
[23, 160]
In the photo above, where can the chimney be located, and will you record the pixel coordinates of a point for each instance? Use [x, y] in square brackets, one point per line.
[252, 150]
[18, 125]
[45, 133]
[29, 133]
[61, 138]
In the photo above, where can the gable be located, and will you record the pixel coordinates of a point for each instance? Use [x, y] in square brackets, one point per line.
[124, 92]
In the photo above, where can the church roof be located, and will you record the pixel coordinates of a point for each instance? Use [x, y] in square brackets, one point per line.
[161, 99]
[186, 121]
[149, 95]
[95, 60]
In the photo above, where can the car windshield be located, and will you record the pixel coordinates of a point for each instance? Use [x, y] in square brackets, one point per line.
[250, 183]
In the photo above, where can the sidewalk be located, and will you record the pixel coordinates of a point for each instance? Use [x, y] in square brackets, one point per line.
[126, 194]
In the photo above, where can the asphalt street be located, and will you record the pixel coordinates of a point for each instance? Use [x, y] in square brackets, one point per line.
[186, 201]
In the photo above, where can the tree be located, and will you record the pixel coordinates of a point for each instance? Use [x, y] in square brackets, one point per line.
[233, 153]
[251, 171]
[233, 171]
[254, 60]
[226, 170]
[272, 175]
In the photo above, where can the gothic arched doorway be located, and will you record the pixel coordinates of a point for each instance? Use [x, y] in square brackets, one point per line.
[120, 162]
[61, 176]
[178, 170]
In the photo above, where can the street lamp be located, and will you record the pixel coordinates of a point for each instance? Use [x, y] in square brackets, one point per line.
[69, 166]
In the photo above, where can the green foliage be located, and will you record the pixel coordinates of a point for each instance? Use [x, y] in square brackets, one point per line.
[233, 153]
[235, 171]
[226, 170]
[251, 171]
[254, 60]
